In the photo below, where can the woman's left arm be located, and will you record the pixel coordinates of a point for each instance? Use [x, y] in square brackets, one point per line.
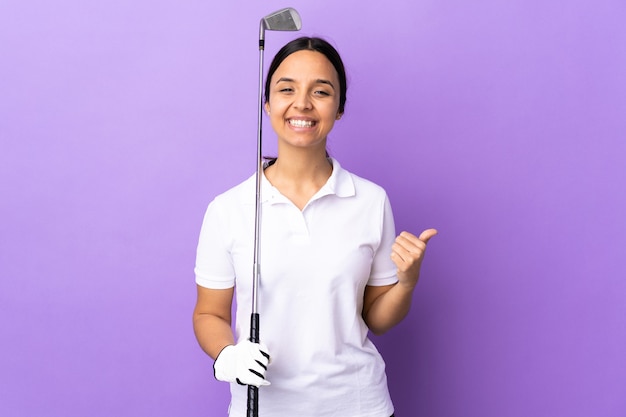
[386, 306]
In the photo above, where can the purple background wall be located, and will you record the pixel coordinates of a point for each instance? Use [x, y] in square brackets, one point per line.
[500, 123]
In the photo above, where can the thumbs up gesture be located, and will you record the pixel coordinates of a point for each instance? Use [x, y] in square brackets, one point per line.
[407, 253]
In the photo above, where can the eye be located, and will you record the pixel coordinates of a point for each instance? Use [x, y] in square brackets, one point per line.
[285, 90]
[321, 93]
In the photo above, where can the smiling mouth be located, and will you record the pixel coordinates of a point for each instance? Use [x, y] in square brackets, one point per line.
[301, 123]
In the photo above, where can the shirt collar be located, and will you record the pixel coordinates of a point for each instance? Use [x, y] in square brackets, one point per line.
[340, 183]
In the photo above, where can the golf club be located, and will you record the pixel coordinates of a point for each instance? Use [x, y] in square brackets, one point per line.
[286, 19]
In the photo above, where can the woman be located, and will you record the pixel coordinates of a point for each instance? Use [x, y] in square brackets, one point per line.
[332, 268]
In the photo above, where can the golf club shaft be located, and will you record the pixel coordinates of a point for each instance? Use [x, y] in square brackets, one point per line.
[259, 176]
[253, 392]
[284, 20]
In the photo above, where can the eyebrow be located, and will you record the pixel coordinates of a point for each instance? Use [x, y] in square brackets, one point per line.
[318, 81]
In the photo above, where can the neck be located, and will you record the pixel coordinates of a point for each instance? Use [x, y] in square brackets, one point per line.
[301, 166]
[299, 176]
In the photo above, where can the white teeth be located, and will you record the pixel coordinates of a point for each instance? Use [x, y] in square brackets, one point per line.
[301, 123]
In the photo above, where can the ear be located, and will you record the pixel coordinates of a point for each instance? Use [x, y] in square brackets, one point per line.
[267, 107]
[338, 117]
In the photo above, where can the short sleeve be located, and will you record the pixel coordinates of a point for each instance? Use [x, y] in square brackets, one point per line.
[383, 270]
[214, 267]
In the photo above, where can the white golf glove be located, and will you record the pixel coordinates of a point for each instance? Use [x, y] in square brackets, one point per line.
[244, 363]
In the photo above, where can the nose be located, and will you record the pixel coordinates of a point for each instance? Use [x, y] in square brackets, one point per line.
[302, 101]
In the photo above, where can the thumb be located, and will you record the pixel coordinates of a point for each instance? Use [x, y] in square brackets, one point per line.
[427, 234]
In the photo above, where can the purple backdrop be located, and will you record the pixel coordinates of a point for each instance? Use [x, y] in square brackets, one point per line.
[500, 123]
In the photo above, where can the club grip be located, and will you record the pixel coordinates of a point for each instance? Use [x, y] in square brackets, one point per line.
[253, 401]
[254, 328]
[253, 392]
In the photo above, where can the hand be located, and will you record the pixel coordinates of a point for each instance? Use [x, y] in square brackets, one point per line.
[407, 253]
[244, 363]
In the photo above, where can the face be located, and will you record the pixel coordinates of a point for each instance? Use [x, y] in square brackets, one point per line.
[304, 100]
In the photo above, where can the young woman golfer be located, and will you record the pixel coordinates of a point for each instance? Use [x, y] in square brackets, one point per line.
[332, 266]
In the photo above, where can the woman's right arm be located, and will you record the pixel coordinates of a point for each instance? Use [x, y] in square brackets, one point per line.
[212, 319]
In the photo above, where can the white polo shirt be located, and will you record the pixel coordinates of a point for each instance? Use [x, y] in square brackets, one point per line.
[314, 267]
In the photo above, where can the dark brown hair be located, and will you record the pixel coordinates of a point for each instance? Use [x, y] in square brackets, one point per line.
[310, 44]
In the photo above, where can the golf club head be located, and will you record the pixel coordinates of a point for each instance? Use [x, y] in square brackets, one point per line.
[286, 19]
